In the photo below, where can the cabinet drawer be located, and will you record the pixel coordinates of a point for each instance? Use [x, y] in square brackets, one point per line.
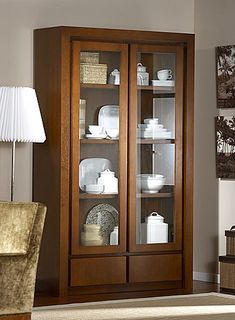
[149, 268]
[98, 271]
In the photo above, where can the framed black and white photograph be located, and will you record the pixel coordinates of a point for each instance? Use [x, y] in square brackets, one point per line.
[225, 144]
[225, 61]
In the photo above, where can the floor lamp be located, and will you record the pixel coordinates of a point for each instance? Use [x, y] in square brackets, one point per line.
[20, 120]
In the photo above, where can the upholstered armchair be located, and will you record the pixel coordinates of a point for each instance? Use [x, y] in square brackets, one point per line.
[21, 226]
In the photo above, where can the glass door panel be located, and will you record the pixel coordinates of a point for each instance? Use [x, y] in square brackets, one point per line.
[100, 98]
[156, 147]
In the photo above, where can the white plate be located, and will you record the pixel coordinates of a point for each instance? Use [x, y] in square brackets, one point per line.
[94, 192]
[142, 126]
[89, 170]
[108, 117]
[156, 135]
[95, 136]
[163, 83]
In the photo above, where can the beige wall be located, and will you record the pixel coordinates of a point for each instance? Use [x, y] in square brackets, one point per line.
[213, 26]
[18, 18]
[214, 206]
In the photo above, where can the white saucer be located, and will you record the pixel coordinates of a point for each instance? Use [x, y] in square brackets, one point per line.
[97, 136]
[149, 191]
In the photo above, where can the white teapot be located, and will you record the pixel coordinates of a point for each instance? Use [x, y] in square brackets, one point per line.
[114, 77]
[109, 181]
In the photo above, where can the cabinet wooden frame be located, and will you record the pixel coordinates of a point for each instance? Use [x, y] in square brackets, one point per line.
[51, 161]
[178, 142]
[77, 47]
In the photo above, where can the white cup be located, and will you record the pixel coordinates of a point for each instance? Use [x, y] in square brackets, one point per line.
[95, 129]
[165, 74]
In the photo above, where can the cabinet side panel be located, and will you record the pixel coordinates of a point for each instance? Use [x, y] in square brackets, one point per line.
[188, 166]
[47, 156]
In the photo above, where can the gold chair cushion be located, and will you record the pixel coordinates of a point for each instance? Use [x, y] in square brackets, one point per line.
[16, 224]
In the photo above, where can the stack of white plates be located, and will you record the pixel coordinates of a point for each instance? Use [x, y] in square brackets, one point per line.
[151, 129]
[91, 235]
[163, 83]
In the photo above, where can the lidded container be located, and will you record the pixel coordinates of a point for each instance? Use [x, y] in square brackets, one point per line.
[154, 230]
[109, 181]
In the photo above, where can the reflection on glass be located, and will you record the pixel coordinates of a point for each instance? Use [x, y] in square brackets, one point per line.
[155, 178]
[99, 148]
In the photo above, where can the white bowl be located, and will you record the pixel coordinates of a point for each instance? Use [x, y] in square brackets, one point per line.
[151, 121]
[95, 129]
[112, 132]
[150, 183]
[94, 188]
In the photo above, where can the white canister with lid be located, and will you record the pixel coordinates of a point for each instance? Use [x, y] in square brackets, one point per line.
[154, 230]
[109, 181]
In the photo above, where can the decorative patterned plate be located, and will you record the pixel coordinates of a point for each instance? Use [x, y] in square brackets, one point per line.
[106, 216]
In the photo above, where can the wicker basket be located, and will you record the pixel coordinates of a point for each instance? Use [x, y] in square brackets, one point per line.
[93, 73]
[227, 273]
[230, 241]
[89, 57]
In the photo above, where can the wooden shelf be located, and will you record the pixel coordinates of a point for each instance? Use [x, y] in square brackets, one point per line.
[157, 89]
[97, 196]
[99, 141]
[98, 86]
[155, 195]
[156, 141]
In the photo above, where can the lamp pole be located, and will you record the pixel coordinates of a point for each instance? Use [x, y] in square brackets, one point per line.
[13, 151]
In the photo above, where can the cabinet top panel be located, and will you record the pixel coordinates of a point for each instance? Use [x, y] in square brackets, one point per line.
[121, 35]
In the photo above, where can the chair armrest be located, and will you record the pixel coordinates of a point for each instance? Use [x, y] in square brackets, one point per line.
[12, 254]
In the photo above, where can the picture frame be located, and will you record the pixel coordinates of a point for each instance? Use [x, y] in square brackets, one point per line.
[225, 76]
[225, 147]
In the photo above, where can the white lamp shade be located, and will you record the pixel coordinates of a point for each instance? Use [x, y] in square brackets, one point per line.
[20, 118]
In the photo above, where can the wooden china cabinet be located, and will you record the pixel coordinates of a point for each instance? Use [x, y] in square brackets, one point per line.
[135, 240]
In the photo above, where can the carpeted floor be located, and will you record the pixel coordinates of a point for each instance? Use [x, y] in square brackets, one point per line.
[208, 306]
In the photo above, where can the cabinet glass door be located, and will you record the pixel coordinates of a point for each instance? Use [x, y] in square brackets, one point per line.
[156, 118]
[98, 142]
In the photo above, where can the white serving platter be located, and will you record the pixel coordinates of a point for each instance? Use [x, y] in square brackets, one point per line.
[108, 117]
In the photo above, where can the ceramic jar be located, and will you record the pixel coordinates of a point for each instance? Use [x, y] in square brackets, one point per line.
[114, 236]
[109, 181]
[154, 230]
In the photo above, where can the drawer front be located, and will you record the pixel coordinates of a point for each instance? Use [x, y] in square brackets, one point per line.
[98, 271]
[150, 268]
